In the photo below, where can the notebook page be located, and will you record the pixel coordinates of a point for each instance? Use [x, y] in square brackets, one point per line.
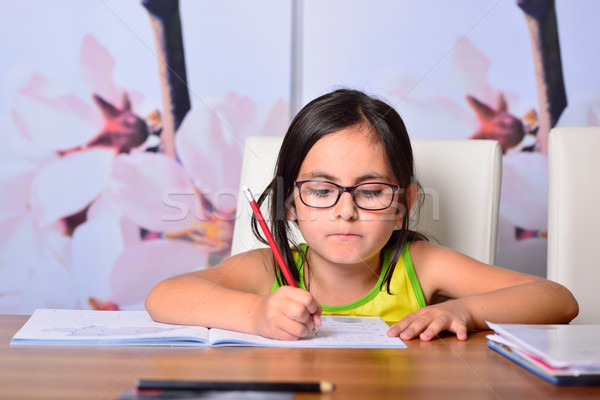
[337, 331]
[53, 326]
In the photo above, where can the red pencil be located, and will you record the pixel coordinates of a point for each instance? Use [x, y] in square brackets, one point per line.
[263, 224]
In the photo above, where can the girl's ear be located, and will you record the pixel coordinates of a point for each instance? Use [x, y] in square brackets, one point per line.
[412, 194]
[290, 212]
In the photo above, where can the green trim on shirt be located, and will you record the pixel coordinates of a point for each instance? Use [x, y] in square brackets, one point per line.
[369, 296]
[408, 265]
[299, 261]
[412, 276]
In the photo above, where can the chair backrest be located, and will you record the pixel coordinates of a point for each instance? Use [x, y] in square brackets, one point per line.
[573, 217]
[461, 188]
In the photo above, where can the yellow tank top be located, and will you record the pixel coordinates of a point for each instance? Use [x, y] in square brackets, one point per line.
[406, 296]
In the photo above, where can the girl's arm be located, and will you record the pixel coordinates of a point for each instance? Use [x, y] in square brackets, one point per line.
[235, 295]
[478, 292]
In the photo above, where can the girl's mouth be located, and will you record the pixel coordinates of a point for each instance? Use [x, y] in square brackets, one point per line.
[345, 235]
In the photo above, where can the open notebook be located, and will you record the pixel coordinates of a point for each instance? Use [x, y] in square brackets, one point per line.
[89, 327]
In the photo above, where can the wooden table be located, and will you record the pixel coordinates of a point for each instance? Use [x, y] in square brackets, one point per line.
[442, 369]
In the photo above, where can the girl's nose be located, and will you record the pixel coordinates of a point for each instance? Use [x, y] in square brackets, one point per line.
[345, 207]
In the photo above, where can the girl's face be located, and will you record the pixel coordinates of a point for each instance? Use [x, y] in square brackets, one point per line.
[344, 233]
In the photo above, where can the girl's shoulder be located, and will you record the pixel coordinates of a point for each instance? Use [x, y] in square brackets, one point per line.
[447, 273]
[438, 268]
[428, 249]
[427, 256]
[424, 249]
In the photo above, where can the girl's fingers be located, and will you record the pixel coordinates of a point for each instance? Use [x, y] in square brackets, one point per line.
[298, 306]
[413, 330]
[425, 329]
[459, 327]
[303, 308]
[313, 306]
[400, 326]
[294, 330]
[461, 333]
[316, 320]
[437, 325]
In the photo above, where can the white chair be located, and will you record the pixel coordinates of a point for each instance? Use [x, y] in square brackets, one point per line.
[574, 217]
[461, 188]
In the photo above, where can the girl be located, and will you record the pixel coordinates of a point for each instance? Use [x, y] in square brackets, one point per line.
[345, 176]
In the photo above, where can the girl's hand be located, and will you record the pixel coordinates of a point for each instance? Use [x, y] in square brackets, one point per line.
[428, 322]
[288, 313]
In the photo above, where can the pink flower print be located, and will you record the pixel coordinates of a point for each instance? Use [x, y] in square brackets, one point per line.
[209, 144]
[122, 129]
[141, 266]
[69, 184]
[497, 124]
[52, 120]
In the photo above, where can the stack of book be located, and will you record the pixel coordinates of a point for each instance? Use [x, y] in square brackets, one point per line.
[561, 354]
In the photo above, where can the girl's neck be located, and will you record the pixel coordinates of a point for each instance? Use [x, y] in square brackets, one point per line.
[337, 284]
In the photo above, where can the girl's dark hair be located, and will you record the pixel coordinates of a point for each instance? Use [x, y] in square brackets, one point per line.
[326, 114]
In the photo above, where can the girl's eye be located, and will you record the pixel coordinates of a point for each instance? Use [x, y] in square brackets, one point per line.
[319, 192]
[365, 193]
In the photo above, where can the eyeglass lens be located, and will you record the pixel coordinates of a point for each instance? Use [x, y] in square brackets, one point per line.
[369, 196]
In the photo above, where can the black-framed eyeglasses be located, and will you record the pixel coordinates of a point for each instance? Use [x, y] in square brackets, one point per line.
[371, 196]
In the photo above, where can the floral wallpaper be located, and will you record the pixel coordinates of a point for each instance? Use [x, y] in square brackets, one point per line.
[100, 200]
[123, 122]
